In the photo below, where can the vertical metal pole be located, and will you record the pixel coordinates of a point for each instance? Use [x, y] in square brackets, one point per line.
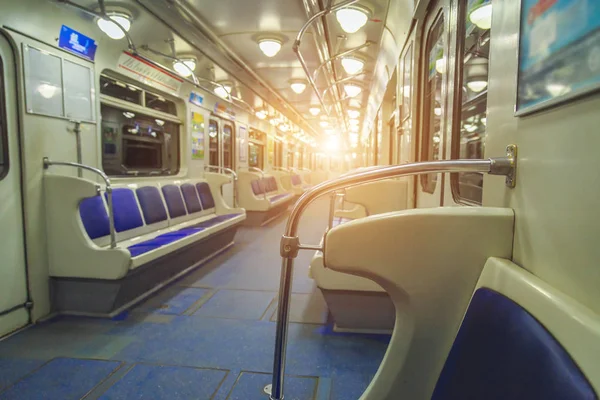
[332, 198]
[77, 130]
[111, 217]
[281, 335]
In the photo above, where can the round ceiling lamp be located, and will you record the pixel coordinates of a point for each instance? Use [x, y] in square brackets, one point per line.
[324, 124]
[351, 19]
[482, 15]
[223, 90]
[269, 47]
[184, 66]
[353, 113]
[353, 121]
[261, 114]
[477, 85]
[352, 90]
[298, 86]
[111, 28]
[352, 65]
[314, 111]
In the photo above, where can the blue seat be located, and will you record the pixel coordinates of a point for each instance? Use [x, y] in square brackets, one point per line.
[502, 352]
[277, 197]
[206, 196]
[174, 201]
[192, 201]
[152, 205]
[138, 250]
[126, 212]
[94, 217]
[257, 187]
[296, 180]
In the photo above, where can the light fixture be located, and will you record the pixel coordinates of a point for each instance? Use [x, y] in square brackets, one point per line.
[353, 121]
[269, 47]
[354, 155]
[354, 128]
[284, 127]
[477, 85]
[333, 143]
[351, 19]
[314, 111]
[352, 90]
[352, 65]
[440, 65]
[482, 15]
[324, 124]
[261, 114]
[223, 90]
[159, 122]
[353, 113]
[298, 86]
[128, 114]
[329, 131]
[437, 111]
[184, 66]
[274, 121]
[111, 28]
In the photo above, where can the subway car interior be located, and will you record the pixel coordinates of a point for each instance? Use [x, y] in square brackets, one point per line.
[299, 199]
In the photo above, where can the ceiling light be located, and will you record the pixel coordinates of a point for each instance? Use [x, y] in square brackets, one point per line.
[223, 90]
[185, 67]
[261, 114]
[351, 19]
[352, 65]
[437, 111]
[284, 127]
[482, 16]
[333, 143]
[274, 121]
[354, 128]
[440, 65]
[329, 131]
[314, 111]
[352, 90]
[269, 47]
[353, 121]
[159, 122]
[298, 86]
[113, 30]
[354, 155]
[353, 113]
[128, 114]
[324, 124]
[477, 85]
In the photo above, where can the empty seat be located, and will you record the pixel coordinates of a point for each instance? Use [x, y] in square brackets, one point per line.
[190, 196]
[126, 211]
[151, 204]
[206, 196]
[174, 201]
[296, 180]
[94, 217]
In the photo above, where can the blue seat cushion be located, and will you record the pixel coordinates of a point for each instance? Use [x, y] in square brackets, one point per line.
[94, 217]
[277, 197]
[502, 352]
[152, 204]
[192, 201]
[138, 250]
[191, 230]
[126, 210]
[206, 196]
[174, 201]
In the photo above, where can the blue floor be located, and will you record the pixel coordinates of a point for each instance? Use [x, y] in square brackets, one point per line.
[208, 336]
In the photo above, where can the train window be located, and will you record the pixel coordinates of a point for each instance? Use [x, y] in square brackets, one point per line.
[120, 90]
[213, 142]
[159, 103]
[3, 128]
[470, 125]
[138, 144]
[278, 153]
[228, 146]
[256, 149]
[432, 100]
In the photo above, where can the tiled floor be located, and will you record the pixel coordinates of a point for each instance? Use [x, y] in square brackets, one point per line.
[208, 336]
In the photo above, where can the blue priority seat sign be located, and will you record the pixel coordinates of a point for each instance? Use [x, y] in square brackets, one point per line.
[77, 43]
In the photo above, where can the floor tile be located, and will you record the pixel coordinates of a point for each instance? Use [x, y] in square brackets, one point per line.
[166, 383]
[13, 369]
[174, 300]
[61, 378]
[307, 309]
[250, 387]
[238, 304]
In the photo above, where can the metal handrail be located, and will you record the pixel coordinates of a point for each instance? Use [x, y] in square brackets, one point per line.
[290, 243]
[109, 199]
[262, 177]
[234, 179]
[298, 42]
[339, 55]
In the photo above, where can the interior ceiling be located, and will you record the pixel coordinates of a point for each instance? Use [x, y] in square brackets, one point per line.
[237, 24]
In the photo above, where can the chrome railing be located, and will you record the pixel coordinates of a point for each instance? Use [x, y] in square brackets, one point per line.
[234, 179]
[262, 177]
[290, 243]
[109, 198]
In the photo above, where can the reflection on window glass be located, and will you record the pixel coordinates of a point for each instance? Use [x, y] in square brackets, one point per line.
[3, 128]
[406, 82]
[120, 90]
[255, 152]
[159, 103]
[227, 146]
[432, 101]
[138, 144]
[213, 142]
[473, 118]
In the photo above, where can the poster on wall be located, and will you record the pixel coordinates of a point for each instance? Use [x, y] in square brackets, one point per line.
[197, 136]
[559, 52]
[243, 143]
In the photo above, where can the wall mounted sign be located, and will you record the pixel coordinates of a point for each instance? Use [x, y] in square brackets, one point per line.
[559, 52]
[224, 109]
[141, 70]
[77, 43]
[196, 99]
[197, 136]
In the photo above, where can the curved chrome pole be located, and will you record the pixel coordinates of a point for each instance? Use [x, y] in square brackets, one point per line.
[339, 55]
[111, 214]
[290, 243]
[234, 178]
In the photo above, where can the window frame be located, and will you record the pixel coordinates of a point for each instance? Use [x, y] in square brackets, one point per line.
[441, 19]
[457, 101]
[5, 161]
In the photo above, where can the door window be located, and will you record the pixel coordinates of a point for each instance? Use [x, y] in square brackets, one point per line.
[213, 142]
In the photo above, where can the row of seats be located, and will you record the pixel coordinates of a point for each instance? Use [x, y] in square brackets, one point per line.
[267, 186]
[146, 205]
[262, 196]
